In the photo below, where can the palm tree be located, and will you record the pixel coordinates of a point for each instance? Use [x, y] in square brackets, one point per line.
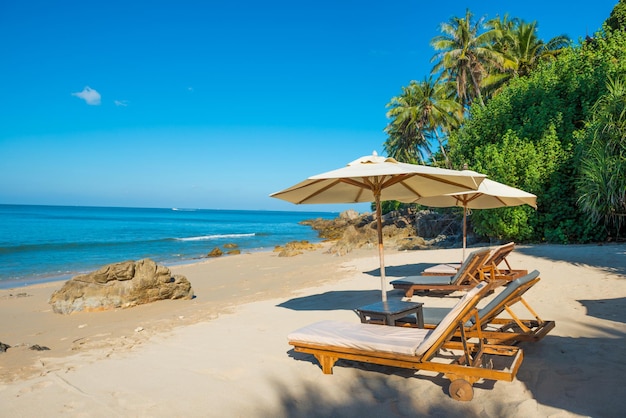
[465, 54]
[423, 111]
[528, 50]
[520, 48]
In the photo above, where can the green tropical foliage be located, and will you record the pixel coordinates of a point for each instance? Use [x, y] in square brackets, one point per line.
[617, 19]
[602, 183]
[547, 117]
[546, 111]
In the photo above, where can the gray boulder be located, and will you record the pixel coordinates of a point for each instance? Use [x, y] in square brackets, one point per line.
[120, 285]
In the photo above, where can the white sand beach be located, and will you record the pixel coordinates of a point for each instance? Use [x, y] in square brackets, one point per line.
[225, 353]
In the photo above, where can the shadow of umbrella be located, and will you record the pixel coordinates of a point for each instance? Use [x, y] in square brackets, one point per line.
[330, 301]
[611, 309]
[401, 271]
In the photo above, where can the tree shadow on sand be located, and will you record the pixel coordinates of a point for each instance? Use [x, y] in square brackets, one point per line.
[581, 375]
[612, 260]
[376, 391]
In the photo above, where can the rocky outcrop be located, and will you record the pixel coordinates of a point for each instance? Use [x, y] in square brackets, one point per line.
[120, 285]
[294, 248]
[405, 229]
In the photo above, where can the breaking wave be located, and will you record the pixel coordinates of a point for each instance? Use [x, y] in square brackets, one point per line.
[218, 236]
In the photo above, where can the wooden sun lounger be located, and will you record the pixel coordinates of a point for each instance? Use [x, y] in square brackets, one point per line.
[496, 330]
[471, 273]
[463, 362]
[497, 257]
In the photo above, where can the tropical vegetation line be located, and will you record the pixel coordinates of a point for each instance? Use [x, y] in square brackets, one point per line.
[546, 117]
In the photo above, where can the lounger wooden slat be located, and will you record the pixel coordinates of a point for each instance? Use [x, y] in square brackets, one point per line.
[499, 330]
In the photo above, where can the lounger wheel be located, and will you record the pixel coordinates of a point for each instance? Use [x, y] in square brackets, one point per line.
[461, 390]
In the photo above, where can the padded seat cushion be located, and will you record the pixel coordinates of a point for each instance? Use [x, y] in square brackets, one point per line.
[368, 337]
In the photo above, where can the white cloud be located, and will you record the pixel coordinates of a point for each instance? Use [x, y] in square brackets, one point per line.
[89, 95]
[123, 103]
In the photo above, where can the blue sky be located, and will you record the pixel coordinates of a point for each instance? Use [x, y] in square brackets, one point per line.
[207, 104]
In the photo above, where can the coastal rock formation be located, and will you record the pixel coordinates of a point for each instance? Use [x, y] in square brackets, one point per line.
[294, 248]
[4, 347]
[405, 229]
[120, 285]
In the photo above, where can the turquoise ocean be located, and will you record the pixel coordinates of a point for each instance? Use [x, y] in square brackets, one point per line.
[48, 243]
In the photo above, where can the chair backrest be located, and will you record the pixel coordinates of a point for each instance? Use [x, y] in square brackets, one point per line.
[499, 254]
[469, 269]
[457, 315]
[509, 295]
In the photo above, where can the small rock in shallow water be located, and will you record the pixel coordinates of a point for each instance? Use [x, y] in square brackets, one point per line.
[4, 347]
[215, 252]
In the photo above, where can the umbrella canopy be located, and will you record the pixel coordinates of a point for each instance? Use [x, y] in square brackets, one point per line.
[374, 179]
[490, 195]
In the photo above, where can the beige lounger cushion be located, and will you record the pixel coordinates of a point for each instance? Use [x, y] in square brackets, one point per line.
[443, 269]
[369, 337]
[382, 338]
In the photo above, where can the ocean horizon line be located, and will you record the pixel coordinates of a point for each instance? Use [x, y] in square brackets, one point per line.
[173, 208]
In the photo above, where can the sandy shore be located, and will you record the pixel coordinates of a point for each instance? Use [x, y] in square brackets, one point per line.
[225, 353]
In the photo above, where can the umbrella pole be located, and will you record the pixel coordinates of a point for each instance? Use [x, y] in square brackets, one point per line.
[464, 231]
[381, 251]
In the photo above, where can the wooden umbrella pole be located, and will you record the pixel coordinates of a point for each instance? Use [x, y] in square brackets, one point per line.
[464, 231]
[381, 250]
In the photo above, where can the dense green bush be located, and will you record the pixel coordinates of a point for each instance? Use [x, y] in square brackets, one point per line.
[531, 136]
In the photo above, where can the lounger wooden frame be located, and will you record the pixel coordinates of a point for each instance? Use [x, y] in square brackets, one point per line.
[498, 256]
[462, 362]
[473, 271]
[510, 330]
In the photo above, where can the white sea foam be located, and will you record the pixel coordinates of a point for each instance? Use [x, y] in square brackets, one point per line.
[219, 236]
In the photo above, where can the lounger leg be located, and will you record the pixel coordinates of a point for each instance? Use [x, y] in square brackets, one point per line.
[327, 362]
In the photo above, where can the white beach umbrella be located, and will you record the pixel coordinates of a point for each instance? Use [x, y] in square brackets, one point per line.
[490, 195]
[375, 178]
